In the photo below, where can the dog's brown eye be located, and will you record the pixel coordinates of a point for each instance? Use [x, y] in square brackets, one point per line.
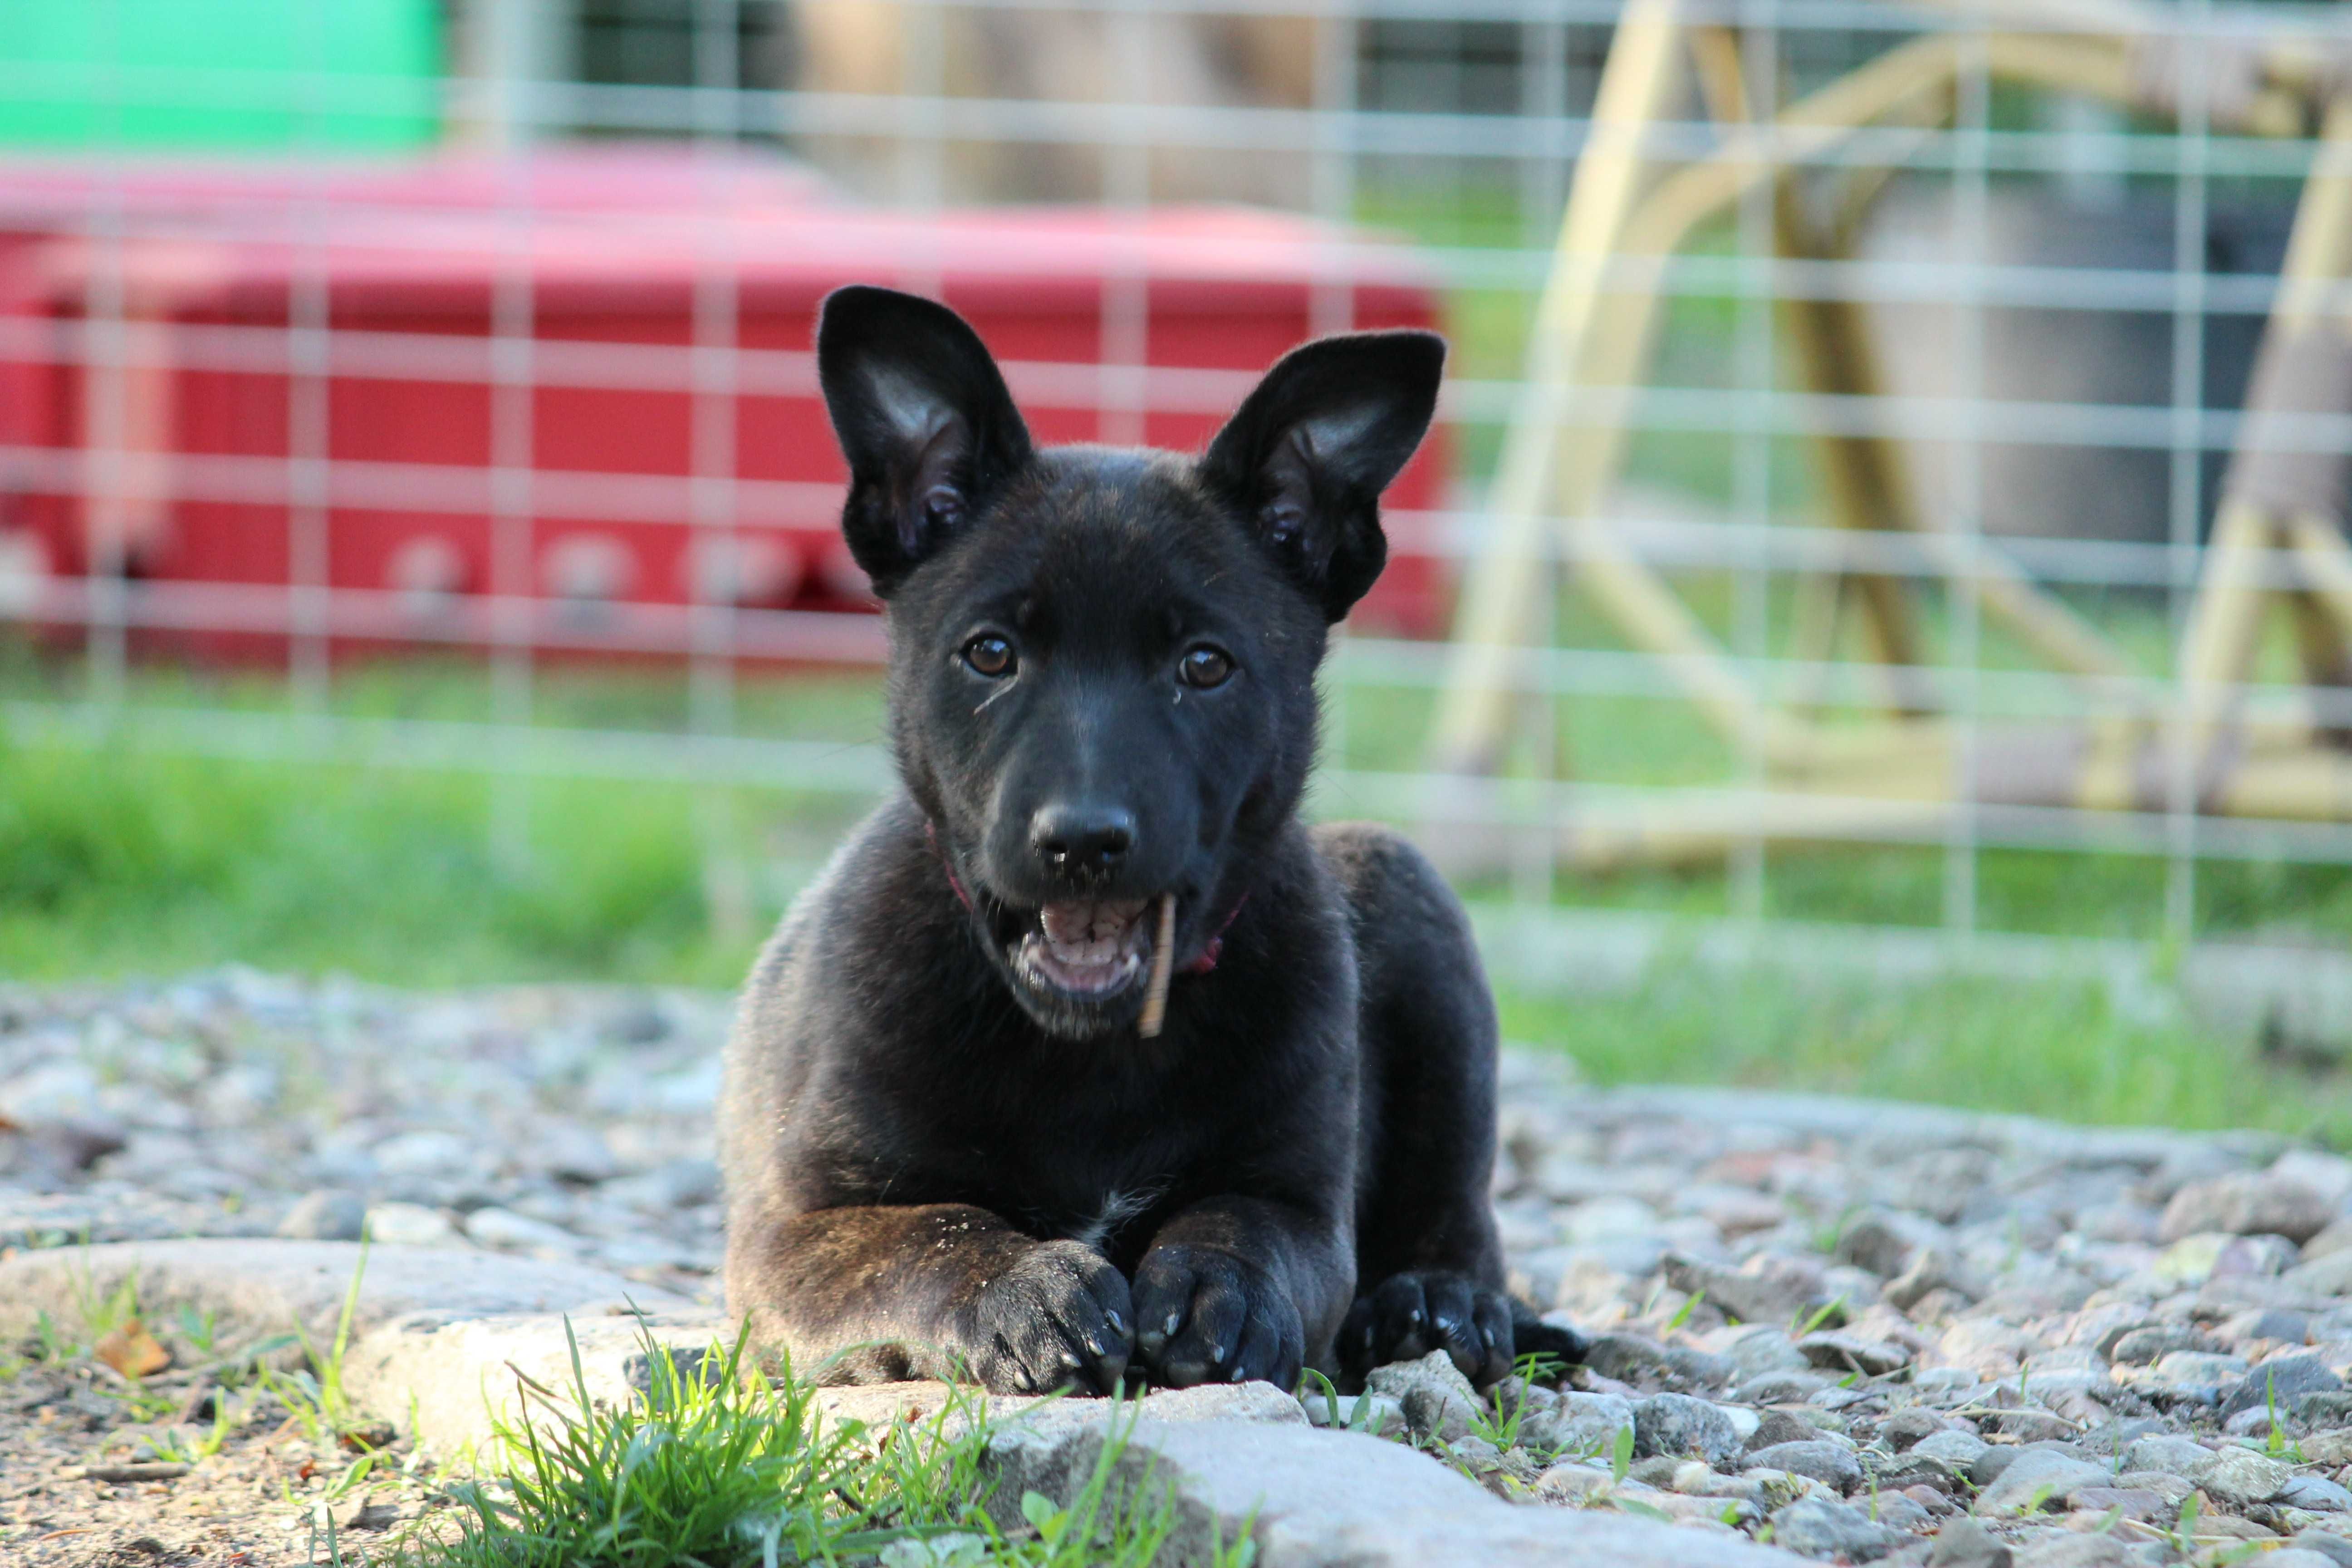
[989, 655]
[1205, 667]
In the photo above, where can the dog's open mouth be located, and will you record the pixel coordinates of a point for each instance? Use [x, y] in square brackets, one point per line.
[1092, 948]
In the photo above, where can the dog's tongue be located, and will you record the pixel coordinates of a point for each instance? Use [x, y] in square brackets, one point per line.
[1089, 931]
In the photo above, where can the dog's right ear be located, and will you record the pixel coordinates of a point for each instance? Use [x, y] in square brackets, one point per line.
[923, 418]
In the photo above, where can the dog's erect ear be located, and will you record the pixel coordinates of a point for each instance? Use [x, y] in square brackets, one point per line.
[923, 418]
[1309, 452]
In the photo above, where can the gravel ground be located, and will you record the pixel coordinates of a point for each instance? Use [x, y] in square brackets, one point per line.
[1867, 1331]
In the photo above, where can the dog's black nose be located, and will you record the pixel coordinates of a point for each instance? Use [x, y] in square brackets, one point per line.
[1075, 840]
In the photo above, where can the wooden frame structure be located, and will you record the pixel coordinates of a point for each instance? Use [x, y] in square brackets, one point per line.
[2279, 537]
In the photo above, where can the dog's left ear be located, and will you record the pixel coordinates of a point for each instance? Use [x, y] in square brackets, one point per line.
[1307, 454]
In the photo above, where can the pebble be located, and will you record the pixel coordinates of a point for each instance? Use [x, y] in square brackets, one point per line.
[1678, 1424]
[1824, 1462]
[1814, 1527]
[410, 1224]
[1965, 1543]
[2280, 1382]
[2249, 1203]
[1579, 1424]
[2241, 1476]
[2323, 1543]
[324, 1215]
[2037, 1480]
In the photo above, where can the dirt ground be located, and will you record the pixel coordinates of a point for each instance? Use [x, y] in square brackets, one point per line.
[91, 1478]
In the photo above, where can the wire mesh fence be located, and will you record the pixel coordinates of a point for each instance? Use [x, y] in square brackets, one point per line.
[1865, 472]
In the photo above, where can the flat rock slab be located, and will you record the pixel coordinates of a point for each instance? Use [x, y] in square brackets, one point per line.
[1343, 1500]
[879, 1403]
[268, 1286]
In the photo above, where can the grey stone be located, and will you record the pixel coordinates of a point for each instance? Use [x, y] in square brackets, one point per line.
[1570, 1481]
[1660, 1469]
[2316, 1493]
[1579, 1424]
[2199, 1369]
[2239, 1476]
[1434, 1372]
[1629, 1358]
[2269, 1323]
[1786, 1427]
[2071, 1551]
[500, 1227]
[2127, 1502]
[1955, 1448]
[2323, 1411]
[572, 1152]
[2328, 1276]
[1986, 1466]
[2335, 1237]
[1851, 1353]
[2297, 1557]
[1824, 1462]
[2179, 1456]
[1815, 1527]
[1911, 1469]
[2326, 1543]
[2030, 1425]
[2163, 1483]
[1767, 1289]
[2282, 1380]
[1324, 1500]
[1885, 1241]
[1932, 1269]
[1438, 1413]
[1902, 1429]
[1965, 1543]
[410, 1224]
[881, 1404]
[1437, 1400]
[1678, 1424]
[329, 1213]
[2036, 1480]
[1897, 1512]
[2248, 1203]
[1761, 1349]
[2147, 1346]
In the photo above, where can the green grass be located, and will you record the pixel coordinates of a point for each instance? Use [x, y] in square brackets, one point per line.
[724, 1466]
[2048, 1048]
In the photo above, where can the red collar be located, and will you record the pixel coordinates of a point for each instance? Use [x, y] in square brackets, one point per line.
[1210, 950]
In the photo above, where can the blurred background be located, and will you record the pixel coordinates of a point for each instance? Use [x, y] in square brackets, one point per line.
[1874, 614]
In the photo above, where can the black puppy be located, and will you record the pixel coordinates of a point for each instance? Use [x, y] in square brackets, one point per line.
[947, 1143]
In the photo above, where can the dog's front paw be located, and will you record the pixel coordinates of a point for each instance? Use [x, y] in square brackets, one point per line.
[1205, 1316]
[1059, 1319]
[1409, 1315]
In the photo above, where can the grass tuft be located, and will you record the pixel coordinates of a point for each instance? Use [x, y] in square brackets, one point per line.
[720, 1466]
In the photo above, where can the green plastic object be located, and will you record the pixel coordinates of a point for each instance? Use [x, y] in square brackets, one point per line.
[287, 76]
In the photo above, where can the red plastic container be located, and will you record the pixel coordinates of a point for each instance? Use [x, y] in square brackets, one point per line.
[603, 403]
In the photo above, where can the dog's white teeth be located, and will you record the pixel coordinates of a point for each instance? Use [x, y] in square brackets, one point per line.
[1086, 925]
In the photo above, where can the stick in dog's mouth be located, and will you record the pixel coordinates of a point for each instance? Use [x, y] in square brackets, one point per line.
[1163, 964]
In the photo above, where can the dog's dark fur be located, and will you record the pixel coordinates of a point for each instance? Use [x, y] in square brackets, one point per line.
[1102, 692]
